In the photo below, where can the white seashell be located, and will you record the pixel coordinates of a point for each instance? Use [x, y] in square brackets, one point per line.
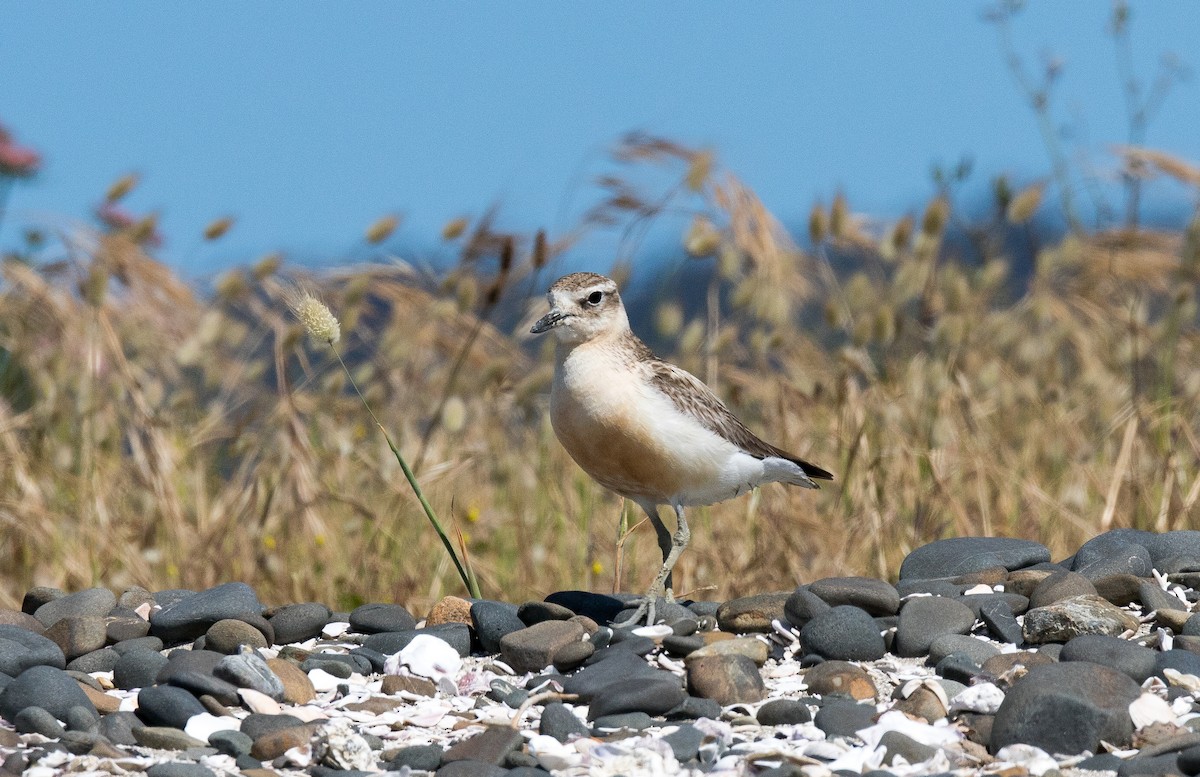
[202, 725]
[978, 589]
[257, 701]
[430, 657]
[1189, 682]
[323, 681]
[1035, 760]
[985, 698]
[334, 630]
[340, 746]
[552, 754]
[658, 630]
[927, 734]
[308, 713]
[300, 757]
[1148, 709]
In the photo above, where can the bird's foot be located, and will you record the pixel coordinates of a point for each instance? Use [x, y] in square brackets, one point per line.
[644, 614]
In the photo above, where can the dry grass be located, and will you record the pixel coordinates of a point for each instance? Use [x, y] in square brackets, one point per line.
[153, 435]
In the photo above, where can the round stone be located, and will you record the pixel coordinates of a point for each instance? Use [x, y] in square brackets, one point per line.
[875, 596]
[926, 618]
[228, 635]
[495, 620]
[193, 614]
[21, 648]
[752, 613]
[844, 718]
[844, 633]
[377, 618]
[963, 555]
[728, 679]
[93, 601]
[783, 712]
[1134, 660]
[43, 686]
[166, 705]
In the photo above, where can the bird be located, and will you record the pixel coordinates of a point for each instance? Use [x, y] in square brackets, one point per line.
[645, 429]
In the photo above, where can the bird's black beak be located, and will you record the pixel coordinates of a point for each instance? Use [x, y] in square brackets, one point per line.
[547, 322]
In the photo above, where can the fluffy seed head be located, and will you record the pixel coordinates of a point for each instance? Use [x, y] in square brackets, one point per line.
[322, 326]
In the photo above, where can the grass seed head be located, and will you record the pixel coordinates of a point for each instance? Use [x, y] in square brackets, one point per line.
[314, 315]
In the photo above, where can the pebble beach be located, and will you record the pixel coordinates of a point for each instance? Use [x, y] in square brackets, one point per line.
[985, 657]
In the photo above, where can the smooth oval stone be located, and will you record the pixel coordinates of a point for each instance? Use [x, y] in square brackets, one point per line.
[103, 660]
[1066, 619]
[77, 635]
[247, 669]
[199, 684]
[559, 722]
[43, 686]
[1116, 552]
[256, 725]
[228, 635]
[1066, 708]
[802, 606]
[21, 648]
[536, 612]
[728, 679]
[182, 660]
[844, 718]
[166, 705]
[1134, 660]
[875, 596]
[753, 613]
[601, 608]
[138, 669]
[1059, 586]
[299, 622]
[495, 620]
[925, 618]
[125, 628]
[844, 633]
[92, 601]
[653, 697]
[783, 712]
[963, 555]
[456, 635]
[592, 679]
[376, 618]
[977, 650]
[36, 720]
[192, 615]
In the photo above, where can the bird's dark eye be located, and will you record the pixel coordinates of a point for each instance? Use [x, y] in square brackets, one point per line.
[595, 297]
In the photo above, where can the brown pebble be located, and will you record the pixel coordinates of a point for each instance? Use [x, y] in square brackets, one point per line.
[393, 684]
[226, 636]
[990, 576]
[376, 705]
[297, 688]
[754, 649]
[103, 702]
[276, 743]
[590, 626]
[752, 613]
[727, 679]
[449, 609]
[840, 677]
[1023, 581]
[923, 703]
[1005, 662]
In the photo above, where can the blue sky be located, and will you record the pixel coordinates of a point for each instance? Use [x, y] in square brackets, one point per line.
[308, 121]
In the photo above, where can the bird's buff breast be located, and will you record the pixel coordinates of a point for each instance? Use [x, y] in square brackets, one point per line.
[603, 418]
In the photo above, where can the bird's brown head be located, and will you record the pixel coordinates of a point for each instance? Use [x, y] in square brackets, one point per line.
[583, 306]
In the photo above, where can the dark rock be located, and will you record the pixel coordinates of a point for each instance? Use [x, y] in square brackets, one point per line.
[92, 601]
[845, 633]
[377, 618]
[1067, 708]
[1183, 661]
[693, 708]
[248, 669]
[925, 618]
[685, 742]
[897, 744]
[1001, 623]
[227, 635]
[633, 721]
[199, 684]
[681, 646]
[594, 678]
[652, 696]
[491, 746]
[959, 667]
[599, 607]
[1017, 603]
[138, 669]
[457, 635]
[559, 722]
[117, 727]
[536, 612]
[46, 687]
[1131, 659]
[21, 648]
[37, 596]
[784, 712]
[122, 628]
[844, 718]
[178, 769]
[963, 555]
[257, 725]
[532, 648]
[424, 758]
[78, 634]
[1059, 586]
[299, 622]
[1069, 618]
[166, 705]
[977, 650]
[192, 615]
[1155, 598]
[752, 613]
[102, 660]
[1116, 552]
[866, 593]
[140, 643]
[494, 620]
[36, 720]
[232, 743]
[573, 655]
[1120, 589]
[727, 679]
[470, 768]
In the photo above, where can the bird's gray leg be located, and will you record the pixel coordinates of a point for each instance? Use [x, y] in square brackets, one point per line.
[663, 533]
[661, 583]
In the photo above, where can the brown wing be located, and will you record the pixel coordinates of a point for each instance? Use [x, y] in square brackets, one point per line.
[691, 396]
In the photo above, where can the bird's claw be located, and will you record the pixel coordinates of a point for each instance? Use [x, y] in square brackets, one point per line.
[645, 609]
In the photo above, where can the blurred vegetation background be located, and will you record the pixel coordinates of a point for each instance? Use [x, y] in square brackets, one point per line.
[1015, 370]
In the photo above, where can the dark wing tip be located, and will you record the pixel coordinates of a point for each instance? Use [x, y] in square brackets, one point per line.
[813, 471]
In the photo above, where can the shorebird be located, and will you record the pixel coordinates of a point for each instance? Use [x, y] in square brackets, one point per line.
[645, 429]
